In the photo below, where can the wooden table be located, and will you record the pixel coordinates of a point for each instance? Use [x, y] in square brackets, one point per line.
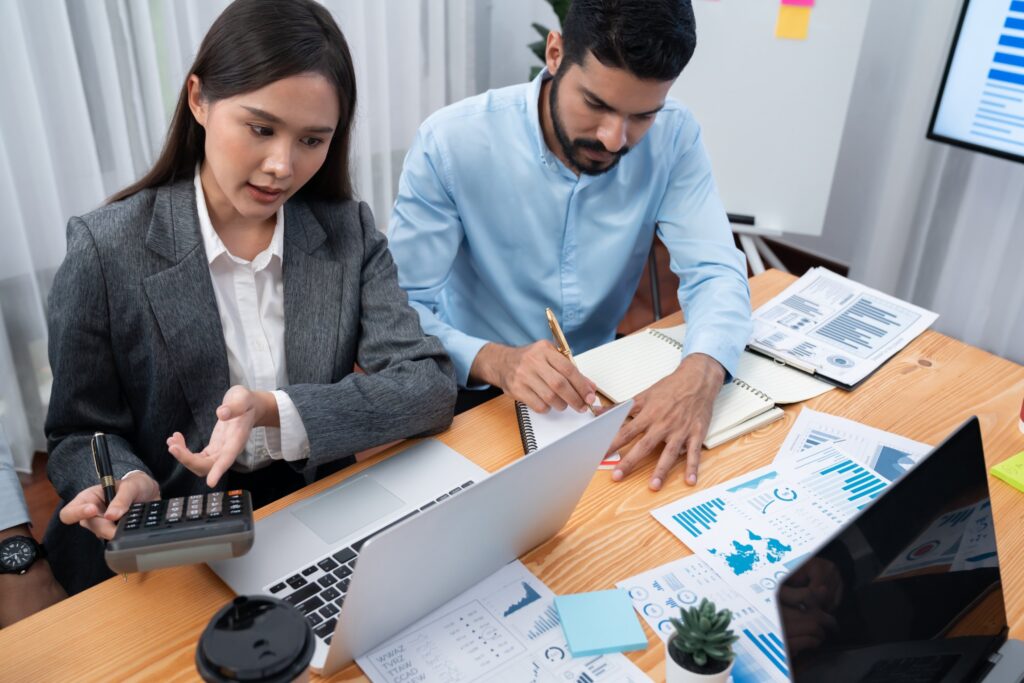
[147, 628]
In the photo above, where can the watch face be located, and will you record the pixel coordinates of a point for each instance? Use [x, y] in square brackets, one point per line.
[16, 554]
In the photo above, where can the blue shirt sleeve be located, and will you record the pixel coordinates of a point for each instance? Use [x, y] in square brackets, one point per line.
[13, 511]
[713, 289]
[425, 234]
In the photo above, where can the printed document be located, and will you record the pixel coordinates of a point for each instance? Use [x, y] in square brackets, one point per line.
[503, 630]
[834, 327]
[660, 593]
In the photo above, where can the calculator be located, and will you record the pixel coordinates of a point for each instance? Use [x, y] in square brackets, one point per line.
[183, 530]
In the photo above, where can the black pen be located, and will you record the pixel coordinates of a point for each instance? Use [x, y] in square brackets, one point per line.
[104, 470]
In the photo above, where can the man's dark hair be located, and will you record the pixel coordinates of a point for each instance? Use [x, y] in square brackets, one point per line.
[652, 39]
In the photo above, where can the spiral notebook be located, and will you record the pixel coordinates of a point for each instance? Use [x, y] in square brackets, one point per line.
[627, 366]
[540, 429]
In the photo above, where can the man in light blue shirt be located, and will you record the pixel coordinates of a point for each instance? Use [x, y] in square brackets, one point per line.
[525, 197]
[26, 582]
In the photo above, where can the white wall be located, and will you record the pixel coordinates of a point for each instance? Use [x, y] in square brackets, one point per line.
[901, 63]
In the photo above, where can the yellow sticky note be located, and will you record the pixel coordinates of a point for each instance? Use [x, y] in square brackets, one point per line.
[1011, 471]
[793, 22]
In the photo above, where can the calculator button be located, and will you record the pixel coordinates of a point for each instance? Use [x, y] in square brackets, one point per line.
[344, 555]
[235, 492]
[135, 506]
[296, 581]
[327, 564]
[327, 580]
[311, 569]
[326, 629]
[213, 514]
[277, 587]
[151, 523]
[234, 511]
[131, 527]
[302, 594]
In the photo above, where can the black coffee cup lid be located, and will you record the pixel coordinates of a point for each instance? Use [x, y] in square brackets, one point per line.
[256, 638]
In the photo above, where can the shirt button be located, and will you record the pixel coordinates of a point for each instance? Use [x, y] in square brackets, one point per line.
[264, 453]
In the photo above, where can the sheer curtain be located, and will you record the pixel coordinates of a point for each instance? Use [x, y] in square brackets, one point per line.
[88, 92]
[937, 225]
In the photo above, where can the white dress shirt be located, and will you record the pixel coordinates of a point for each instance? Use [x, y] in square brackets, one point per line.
[250, 299]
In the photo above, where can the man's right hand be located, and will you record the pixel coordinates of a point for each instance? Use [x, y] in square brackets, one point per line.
[537, 375]
[88, 510]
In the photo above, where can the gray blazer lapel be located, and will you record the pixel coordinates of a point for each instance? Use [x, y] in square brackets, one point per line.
[182, 300]
[312, 299]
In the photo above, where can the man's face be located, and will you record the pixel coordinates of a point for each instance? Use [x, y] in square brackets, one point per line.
[600, 112]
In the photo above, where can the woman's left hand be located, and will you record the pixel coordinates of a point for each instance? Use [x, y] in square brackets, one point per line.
[236, 416]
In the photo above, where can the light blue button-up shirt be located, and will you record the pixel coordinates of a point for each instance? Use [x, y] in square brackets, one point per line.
[489, 228]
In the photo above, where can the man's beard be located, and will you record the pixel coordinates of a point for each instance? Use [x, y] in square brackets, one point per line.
[571, 148]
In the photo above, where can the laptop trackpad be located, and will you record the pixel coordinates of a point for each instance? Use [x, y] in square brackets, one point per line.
[335, 514]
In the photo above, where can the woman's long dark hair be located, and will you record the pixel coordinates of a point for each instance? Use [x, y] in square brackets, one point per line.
[252, 44]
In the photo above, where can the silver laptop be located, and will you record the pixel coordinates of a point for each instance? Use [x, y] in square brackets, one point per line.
[910, 590]
[448, 526]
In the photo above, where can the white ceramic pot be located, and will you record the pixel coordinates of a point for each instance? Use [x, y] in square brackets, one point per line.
[675, 673]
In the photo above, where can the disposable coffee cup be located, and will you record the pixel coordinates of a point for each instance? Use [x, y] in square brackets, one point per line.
[257, 639]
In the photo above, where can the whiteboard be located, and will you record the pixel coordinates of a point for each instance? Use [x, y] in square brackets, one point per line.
[772, 111]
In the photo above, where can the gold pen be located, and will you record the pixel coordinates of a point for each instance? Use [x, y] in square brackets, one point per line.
[563, 346]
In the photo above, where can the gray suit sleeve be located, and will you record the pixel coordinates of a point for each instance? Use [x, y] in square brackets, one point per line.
[13, 511]
[409, 387]
[86, 395]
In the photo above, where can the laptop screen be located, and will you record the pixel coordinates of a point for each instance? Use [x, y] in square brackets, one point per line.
[913, 582]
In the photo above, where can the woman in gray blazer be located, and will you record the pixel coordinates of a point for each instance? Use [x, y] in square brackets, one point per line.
[210, 317]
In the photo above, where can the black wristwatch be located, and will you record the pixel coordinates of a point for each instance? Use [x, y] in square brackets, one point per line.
[19, 553]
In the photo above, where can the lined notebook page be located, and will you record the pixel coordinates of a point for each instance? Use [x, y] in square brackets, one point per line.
[542, 429]
[623, 368]
[737, 402]
[782, 383]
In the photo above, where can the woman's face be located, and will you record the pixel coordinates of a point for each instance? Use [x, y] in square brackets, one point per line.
[262, 146]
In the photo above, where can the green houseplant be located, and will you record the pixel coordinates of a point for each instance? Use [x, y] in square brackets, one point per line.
[537, 47]
[701, 647]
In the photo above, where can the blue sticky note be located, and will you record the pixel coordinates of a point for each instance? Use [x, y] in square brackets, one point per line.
[600, 622]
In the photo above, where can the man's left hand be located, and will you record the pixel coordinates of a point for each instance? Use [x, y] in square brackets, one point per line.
[676, 411]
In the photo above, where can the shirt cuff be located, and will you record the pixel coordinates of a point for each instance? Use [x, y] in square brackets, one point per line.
[727, 355]
[294, 442]
[463, 350]
[13, 511]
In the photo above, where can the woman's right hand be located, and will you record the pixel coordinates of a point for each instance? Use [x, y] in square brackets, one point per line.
[87, 508]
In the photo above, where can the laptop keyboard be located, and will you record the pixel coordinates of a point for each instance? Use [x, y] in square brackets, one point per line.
[927, 669]
[319, 589]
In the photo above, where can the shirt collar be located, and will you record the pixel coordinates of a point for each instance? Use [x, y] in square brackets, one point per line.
[533, 113]
[215, 248]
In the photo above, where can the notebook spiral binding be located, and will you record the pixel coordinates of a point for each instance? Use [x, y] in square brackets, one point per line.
[665, 338]
[757, 392]
[525, 428]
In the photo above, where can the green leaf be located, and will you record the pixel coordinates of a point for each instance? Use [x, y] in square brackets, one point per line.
[541, 30]
[534, 70]
[561, 8]
[699, 658]
[538, 49]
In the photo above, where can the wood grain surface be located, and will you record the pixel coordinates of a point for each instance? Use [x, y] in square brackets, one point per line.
[147, 628]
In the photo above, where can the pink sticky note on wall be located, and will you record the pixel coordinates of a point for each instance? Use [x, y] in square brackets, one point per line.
[799, 3]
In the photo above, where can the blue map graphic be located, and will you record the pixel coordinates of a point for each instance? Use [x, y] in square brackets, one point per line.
[743, 557]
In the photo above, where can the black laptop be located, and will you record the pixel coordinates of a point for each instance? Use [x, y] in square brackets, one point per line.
[910, 590]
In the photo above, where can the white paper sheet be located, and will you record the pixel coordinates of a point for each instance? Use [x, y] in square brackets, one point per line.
[889, 454]
[503, 630]
[660, 593]
[754, 529]
[839, 328]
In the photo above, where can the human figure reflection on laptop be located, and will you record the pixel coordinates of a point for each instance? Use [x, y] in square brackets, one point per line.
[808, 602]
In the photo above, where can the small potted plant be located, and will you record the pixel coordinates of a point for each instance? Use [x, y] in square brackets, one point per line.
[700, 651]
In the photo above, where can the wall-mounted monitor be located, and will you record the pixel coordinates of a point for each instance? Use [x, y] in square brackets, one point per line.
[981, 102]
